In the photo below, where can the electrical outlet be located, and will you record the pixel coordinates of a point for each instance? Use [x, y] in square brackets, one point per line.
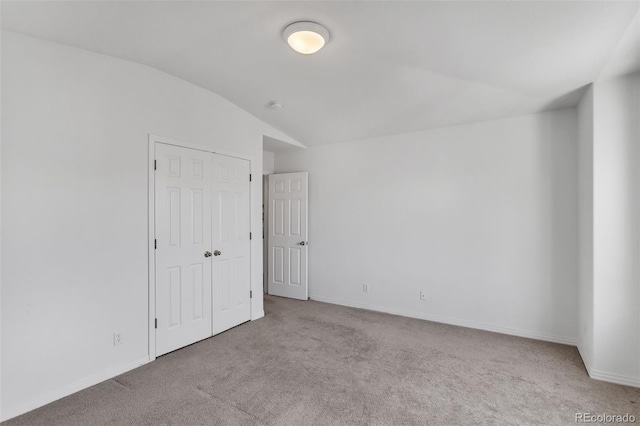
[117, 338]
[423, 295]
[365, 288]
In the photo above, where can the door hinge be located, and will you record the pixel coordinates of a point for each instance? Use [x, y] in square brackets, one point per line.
[249, 177]
[155, 164]
[156, 322]
[250, 235]
[155, 244]
[250, 294]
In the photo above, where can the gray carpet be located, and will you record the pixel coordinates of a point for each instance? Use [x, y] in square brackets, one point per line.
[315, 363]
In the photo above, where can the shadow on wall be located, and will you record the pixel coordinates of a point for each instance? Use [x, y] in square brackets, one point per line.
[569, 99]
[560, 187]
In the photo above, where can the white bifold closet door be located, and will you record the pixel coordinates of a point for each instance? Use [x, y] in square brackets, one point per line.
[202, 245]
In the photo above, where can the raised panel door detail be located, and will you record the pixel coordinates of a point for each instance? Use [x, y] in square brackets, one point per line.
[197, 214]
[237, 175]
[196, 169]
[174, 210]
[278, 265]
[278, 217]
[237, 213]
[234, 282]
[198, 290]
[174, 166]
[295, 185]
[294, 217]
[223, 282]
[175, 296]
[241, 270]
[279, 187]
[294, 265]
[224, 173]
[223, 216]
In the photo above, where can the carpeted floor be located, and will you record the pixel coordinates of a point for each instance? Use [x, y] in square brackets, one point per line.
[314, 363]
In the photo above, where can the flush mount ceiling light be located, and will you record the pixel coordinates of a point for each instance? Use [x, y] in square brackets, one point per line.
[306, 37]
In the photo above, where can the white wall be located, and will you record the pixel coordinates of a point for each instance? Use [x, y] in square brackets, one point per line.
[268, 168]
[616, 232]
[74, 207]
[585, 220]
[268, 162]
[1, 417]
[481, 216]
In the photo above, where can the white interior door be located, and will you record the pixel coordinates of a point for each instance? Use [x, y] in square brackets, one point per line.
[183, 236]
[288, 243]
[231, 245]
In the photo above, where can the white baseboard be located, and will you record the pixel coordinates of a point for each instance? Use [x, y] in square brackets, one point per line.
[585, 360]
[614, 378]
[452, 321]
[605, 376]
[39, 401]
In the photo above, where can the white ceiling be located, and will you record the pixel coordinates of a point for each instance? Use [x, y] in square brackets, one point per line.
[391, 67]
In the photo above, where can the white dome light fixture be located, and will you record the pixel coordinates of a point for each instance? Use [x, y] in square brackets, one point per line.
[306, 37]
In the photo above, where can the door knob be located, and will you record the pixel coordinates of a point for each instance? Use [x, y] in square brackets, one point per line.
[216, 253]
[207, 254]
[303, 243]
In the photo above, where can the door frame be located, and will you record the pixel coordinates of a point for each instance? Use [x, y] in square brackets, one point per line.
[153, 139]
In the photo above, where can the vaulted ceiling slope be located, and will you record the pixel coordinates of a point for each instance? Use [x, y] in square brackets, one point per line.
[391, 67]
